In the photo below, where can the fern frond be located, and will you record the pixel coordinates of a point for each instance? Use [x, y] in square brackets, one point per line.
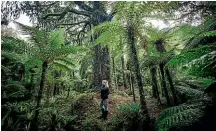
[188, 93]
[56, 38]
[177, 109]
[208, 34]
[34, 35]
[180, 120]
[59, 65]
[189, 55]
[64, 51]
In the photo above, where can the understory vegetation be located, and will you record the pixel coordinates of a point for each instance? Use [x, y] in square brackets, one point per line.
[158, 57]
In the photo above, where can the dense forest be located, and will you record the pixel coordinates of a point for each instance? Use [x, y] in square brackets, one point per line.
[158, 59]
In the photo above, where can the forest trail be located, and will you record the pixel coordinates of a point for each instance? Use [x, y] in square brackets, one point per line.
[117, 99]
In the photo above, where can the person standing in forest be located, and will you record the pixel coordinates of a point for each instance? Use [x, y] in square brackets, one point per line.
[104, 90]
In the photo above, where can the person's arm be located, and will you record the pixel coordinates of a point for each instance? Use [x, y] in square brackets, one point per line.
[108, 91]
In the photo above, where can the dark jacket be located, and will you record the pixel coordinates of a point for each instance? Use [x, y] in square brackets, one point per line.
[104, 92]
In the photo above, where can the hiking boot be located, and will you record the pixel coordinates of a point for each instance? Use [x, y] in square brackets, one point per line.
[105, 115]
[102, 115]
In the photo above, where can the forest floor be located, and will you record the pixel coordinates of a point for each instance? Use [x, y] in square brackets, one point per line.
[119, 98]
[87, 108]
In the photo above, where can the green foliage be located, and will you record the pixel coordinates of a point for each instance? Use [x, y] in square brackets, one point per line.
[61, 109]
[187, 93]
[126, 117]
[179, 116]
[203, 66]
[205, 81]
[16, 114]
[198, 62]
[151, 60]
[92, 124]
[46, 47]
[198, 83]
[110, 33]
[189, 55]
[13, 90]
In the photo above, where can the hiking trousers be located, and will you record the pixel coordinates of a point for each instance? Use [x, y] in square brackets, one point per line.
[104, 104]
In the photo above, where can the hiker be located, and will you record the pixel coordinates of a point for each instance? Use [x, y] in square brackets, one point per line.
[104, 90]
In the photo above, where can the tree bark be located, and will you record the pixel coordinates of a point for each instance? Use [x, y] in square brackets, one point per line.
[154, 84]
[101, 64]
[54, 91]
[40, 93]
[163, 83]
[68, 93]
[32, 88]
[145, 122]
[123, 73]
[114, 73]
[175, 99]
[132, 86]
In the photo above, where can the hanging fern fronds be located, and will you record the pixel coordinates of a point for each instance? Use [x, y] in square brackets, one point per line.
[205, 36]
[189, 55]
[109, 33]
[203, 66]
[149, 60]
[60, 66]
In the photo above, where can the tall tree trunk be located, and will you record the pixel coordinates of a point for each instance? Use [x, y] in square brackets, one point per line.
[48, 91]
[32, 88]
[163, 83]
[58, 88]
[123, 73]
[97, 66]
[101, 67]
[144, 122]
[132, 86]
[55, 88]
[40, 93]
[154, 84]
[68, 93]
[175, 99]
[104, 62]
[128, 76]
[114, 73]
[56, 74]
[161, 91]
